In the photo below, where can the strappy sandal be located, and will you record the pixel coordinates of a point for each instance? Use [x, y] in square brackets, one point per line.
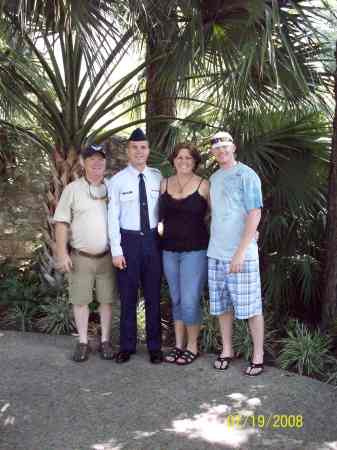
[106, 351]
[187, 357]
[253, 366]
[174, 354]
[81, 352]
[224, 362]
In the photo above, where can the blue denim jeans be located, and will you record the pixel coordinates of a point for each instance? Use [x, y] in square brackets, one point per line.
[186, 274]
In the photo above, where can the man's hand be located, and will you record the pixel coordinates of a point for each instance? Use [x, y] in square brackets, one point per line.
[236, 264]
[119, 262]
[64, 263]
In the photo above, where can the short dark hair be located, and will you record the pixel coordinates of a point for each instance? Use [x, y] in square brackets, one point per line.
[193, 150]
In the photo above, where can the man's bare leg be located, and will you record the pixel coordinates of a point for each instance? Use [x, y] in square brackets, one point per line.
[256, 326]
[105, 311]
[226, 330]
[81, 314]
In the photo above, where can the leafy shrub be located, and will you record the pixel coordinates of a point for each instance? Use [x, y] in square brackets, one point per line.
[210, 338]
[167, 325]
[20, 316]
[24, 297]
[141, 326]
[304, 350]
[242, 342]
[332, 373]
[20, 293]
[18, 284]
[57, 316]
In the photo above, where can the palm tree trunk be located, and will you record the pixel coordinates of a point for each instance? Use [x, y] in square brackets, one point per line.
[161, 81]
[64, 169]
[7, 157]
[329, 266]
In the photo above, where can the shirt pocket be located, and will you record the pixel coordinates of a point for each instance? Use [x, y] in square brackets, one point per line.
[128, 195]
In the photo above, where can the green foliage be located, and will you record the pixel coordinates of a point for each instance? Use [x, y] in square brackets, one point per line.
[332, 374]
[31, 305]
[18, 285]
[57, 316]
[20, 293]
[305, 351]
[141, 326]
[242, 342]
[20, 316]
[210, 339]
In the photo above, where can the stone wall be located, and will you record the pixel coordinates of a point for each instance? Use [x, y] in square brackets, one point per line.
[22, 190]
[20, 218]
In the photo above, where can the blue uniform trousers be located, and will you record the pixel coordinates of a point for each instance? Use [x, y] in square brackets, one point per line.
[144, 268]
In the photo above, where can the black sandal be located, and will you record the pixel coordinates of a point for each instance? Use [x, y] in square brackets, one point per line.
[187, 357]
[174, 353]
[253, 366]
[106, 351]
[224, 362]
[81, 352]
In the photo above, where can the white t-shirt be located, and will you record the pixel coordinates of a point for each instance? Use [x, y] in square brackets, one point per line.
[87, 217]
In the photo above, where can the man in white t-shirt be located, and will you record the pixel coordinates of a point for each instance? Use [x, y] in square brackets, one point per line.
[83, 251]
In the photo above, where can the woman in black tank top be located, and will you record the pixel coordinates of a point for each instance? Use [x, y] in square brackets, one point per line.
[183, 207]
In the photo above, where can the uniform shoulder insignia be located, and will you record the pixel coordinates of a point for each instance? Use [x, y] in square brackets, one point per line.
[154, 170]
[118, 174]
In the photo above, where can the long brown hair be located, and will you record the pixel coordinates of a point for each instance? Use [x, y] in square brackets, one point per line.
[193, 150]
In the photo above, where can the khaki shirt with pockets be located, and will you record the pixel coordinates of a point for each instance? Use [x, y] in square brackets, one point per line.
[87, 217]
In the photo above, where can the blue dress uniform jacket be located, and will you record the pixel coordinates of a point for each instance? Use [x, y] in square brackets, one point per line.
[141, 251]
[124, 203]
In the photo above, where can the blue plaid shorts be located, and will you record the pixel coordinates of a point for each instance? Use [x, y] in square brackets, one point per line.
[240, 291]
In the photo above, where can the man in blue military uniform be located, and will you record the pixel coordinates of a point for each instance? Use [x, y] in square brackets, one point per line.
[132, 222]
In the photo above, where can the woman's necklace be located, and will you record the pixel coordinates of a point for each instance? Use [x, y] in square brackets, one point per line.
[182, 186]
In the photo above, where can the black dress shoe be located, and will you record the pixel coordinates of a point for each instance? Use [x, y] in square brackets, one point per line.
[156, 357]
[123, 357]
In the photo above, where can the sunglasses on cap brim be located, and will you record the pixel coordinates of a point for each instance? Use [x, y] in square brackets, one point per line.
[221, 140]
[96, 148]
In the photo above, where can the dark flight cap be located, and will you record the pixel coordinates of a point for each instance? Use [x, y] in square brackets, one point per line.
[137, 135]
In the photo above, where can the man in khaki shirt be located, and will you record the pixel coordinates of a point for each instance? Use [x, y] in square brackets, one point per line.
[81, 221]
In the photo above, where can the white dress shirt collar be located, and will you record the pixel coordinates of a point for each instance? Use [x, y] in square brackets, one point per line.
[136, 172]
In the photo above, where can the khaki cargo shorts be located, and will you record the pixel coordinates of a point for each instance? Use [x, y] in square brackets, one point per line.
[88, 273]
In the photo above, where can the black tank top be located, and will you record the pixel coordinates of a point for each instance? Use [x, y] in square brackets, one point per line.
[184, 222]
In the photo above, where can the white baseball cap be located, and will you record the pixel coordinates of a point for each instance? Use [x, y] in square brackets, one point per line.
[221, 139]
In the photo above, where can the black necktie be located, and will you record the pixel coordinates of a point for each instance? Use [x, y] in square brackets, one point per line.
[144, 212]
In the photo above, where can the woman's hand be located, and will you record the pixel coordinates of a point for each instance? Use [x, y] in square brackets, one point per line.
[160, 228]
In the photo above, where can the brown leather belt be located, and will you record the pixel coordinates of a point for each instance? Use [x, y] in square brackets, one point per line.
[90, 255]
